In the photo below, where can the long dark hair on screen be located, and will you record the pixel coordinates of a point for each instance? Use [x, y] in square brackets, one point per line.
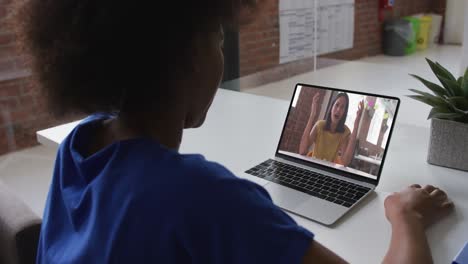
[340, 128]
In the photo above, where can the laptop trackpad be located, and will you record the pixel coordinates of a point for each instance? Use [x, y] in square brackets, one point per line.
[285, 197]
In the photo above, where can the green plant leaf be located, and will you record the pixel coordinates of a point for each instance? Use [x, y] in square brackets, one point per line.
[449, 116]
[464, 84]
[434, 98]
[459, 102]
[458, 110]
[451, 85]
[452, 105]
[439, 110]
[435, 88]
[421, 93]
[431, 100]
[440, 70]
[447, 72]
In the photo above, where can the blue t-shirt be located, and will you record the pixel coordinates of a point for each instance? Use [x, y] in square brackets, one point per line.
[136, 201]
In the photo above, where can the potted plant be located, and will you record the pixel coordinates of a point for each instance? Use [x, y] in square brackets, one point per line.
[448, 145]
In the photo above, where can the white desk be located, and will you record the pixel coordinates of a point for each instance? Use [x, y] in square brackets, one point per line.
[242, 130]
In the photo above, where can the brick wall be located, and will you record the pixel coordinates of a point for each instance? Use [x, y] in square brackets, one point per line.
[10, 60]
[438, 6]
[22, 108]
[22, 112]
[297, 120]
[259, 41]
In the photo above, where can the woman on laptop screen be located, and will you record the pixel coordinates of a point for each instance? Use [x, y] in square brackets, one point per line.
[331, 139]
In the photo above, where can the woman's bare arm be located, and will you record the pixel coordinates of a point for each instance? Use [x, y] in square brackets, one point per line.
[410, 212]
[317, 253]
[348, 148]
[307, 136]
[408, 244]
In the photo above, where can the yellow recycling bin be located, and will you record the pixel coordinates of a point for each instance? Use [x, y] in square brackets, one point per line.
[422, 40]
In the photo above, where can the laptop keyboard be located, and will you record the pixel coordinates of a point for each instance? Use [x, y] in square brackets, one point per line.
[318, 185]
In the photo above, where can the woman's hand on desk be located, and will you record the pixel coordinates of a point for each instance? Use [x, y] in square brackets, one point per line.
[410, 212]
[416, 204]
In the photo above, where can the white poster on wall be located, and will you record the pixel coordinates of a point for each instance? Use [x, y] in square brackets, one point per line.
[309, 27]
[297, 24]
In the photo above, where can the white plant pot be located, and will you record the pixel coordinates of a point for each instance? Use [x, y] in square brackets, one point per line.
[448, 144]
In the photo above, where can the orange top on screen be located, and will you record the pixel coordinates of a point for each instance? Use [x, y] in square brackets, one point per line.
[327, 143]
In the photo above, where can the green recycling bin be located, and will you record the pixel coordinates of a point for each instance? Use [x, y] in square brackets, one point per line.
[415, 25]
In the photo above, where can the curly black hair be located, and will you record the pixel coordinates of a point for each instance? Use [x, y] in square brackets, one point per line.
[109, 55]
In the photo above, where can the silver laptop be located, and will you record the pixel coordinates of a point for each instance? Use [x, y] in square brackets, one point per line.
[331, 151]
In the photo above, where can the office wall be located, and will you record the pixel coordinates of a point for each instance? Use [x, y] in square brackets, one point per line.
[454, 14]
[297, 120]
[373, 149]
[9, 59]
[22, 112]
[22, 108]
[259, 41]
[464, 60]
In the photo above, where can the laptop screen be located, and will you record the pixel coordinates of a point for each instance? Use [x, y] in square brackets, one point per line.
[344, 130]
